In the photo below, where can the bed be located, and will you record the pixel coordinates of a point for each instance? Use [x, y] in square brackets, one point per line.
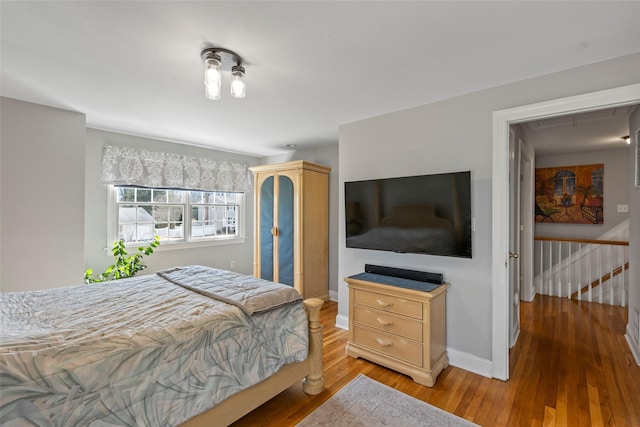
[187, 346]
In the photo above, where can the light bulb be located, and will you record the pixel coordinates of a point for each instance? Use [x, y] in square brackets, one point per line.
[238, 88]
[212, 77]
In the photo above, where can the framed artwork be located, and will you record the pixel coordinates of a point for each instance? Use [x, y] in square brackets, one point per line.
[570, 194]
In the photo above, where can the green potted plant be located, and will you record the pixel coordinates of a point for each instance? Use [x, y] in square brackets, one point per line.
[125, 265]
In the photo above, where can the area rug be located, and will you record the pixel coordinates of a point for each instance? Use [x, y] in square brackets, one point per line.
[365, 402]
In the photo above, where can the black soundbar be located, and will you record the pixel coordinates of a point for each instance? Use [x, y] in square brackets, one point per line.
[420, 276]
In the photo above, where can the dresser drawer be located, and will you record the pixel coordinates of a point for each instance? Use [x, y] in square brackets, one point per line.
[388, 322]
[391, 345]
[388, 303]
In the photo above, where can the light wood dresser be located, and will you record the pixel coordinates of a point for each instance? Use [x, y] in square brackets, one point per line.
[397, 327]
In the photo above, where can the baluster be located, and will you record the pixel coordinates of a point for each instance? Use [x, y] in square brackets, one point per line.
[611, 287]
[579, 271]
[541, 286]
[550, 282]
[589, 280]
[559, 270]
[569, 271]
[600, 274]
[623, 290]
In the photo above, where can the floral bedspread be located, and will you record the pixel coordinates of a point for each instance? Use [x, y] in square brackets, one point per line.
[134, 352]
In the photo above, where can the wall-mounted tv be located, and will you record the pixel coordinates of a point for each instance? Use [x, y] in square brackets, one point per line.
[425, 214]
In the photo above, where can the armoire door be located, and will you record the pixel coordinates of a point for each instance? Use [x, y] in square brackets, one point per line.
[276, 229]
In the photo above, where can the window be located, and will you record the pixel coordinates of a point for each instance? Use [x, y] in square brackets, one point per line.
[176, 216]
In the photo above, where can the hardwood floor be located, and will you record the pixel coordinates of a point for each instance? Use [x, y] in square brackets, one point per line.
[571, 366]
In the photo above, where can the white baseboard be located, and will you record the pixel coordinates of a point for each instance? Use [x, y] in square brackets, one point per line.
[531, 296]
[342, 322]
[633, 345]
[470, 363]
[333, 295]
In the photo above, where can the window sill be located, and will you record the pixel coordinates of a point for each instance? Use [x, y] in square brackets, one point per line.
[174, 246]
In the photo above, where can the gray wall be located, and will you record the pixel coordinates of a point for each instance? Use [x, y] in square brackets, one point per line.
[328, 156]
[95, 242]
[42, 196]
[455, 134]
[616, 191]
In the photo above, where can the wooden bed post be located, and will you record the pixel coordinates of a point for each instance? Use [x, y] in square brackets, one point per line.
[314, 381]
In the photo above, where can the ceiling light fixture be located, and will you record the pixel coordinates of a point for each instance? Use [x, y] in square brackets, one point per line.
[212, 58]
[627, 139]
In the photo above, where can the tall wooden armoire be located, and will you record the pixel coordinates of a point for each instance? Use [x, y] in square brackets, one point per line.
[292, 226]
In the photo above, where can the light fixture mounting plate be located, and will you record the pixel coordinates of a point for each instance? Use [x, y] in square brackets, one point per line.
[225, 55]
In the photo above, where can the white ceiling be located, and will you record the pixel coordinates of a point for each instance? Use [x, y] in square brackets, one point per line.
[591, 131]
[135, 67]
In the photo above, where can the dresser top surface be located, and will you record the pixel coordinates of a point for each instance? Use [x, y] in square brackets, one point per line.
[398, 282]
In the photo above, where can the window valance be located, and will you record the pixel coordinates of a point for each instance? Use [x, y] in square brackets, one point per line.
[138, 167]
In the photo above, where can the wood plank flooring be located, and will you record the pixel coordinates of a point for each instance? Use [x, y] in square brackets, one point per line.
[571, 366]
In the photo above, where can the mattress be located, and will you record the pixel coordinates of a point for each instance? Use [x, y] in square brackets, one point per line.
[143, 351]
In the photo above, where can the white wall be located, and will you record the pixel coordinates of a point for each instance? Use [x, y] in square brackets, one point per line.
[42, 196]
[633, 328]
[452, 135]
[325, 155]
[95, 240]
[616, 191]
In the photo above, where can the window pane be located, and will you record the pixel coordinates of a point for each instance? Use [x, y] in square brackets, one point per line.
[175, 230]
[197, 228]
[230, 220]
[127, 214]
[209, 197]
[197, 213]
[196, 196]
[162, 230]
[175, 213]
[126, 194]
[160, 196]
[160, 214]
[176, 196]
[135, 223]
[144, 195]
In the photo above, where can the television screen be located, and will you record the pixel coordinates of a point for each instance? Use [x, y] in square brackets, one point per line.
[426, 214]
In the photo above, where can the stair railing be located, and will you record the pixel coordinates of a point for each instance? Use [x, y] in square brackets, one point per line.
[582, 269]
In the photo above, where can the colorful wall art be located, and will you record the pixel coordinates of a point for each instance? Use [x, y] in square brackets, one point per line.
[570, 194]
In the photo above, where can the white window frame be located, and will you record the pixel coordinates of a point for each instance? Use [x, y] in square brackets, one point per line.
[188, 242]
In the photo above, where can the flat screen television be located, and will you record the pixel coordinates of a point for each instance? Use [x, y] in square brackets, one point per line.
[425, 214]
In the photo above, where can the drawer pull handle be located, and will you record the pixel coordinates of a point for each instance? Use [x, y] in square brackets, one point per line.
[383, 342]
[384, 322]
[383, 304]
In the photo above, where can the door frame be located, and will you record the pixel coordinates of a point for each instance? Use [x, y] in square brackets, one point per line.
[502, 119]
[513, 267]
[527, 169]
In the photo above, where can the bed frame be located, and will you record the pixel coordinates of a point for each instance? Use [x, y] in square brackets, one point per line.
[309, 371]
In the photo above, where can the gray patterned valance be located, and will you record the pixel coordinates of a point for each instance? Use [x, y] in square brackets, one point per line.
[138, 167]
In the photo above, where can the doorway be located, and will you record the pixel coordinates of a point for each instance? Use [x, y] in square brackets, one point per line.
[503, 119]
